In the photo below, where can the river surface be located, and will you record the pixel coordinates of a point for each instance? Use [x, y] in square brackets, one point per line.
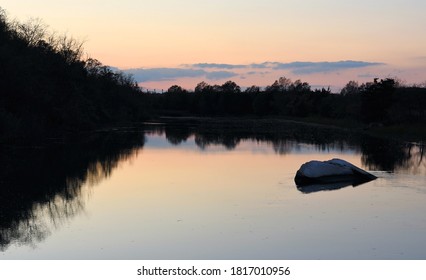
[166, 192]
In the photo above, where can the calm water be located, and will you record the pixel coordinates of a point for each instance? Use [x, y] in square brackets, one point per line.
[189, 193]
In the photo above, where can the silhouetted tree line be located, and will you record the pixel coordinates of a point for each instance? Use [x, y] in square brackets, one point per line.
[381, 101]
[47, 88]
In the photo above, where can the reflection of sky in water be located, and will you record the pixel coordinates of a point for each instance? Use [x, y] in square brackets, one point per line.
[183, 202]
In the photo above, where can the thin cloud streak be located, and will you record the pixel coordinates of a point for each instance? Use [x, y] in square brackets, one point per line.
[163, 74]
[296, 67]
[218, 66]
[201, 70]
[219, 75]
[170, 74]
[305, 68]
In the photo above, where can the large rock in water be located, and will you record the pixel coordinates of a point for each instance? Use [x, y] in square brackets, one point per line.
[331, 171]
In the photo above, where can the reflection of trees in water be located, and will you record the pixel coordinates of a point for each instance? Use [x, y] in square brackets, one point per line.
[387, 155]
[283, 140]
[40, 189]
[35, 224]
[381, 154]
[417, 155]
[284, 146]
[377, 153]
[177, 135]
[230, 142]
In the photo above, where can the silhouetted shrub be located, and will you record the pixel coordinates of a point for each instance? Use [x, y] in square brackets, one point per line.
[48, 89]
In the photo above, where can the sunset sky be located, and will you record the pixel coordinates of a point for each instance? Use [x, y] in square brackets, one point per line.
[166, 42]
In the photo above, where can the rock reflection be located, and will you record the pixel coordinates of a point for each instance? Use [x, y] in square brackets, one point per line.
[41, 189]
[326, 187]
